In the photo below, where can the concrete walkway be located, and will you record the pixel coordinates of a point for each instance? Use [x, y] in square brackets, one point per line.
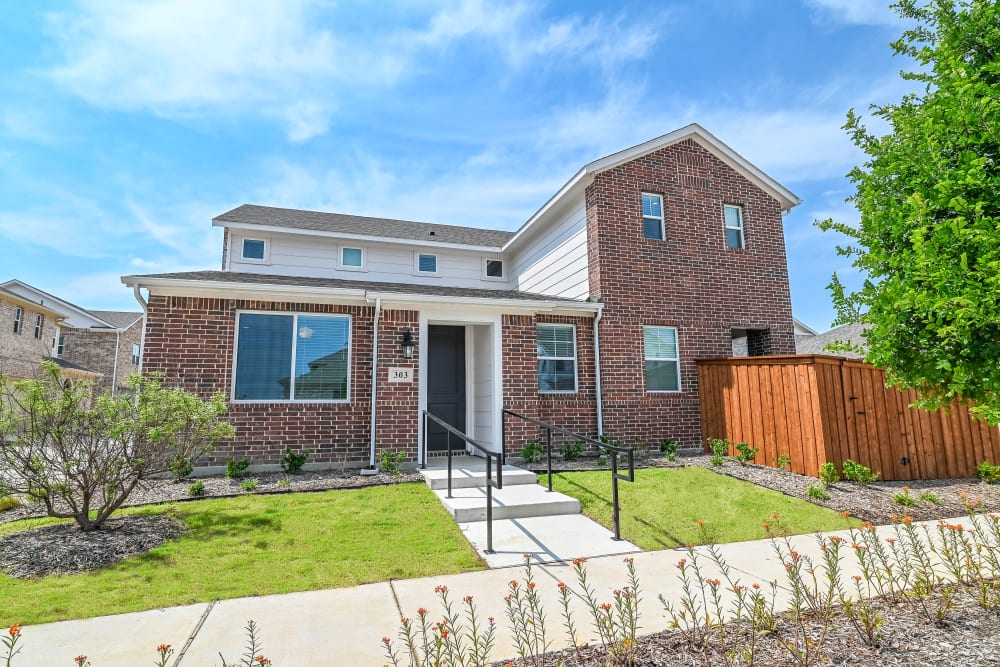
[345, 626]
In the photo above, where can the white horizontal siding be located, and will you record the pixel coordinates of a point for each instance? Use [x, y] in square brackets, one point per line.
[554, 261]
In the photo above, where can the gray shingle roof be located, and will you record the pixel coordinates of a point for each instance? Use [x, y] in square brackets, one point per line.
[340, 223]
[850, 333]
[338, 283]
[119, 319]
[69, 365]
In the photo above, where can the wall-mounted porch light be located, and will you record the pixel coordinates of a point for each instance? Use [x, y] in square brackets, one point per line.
[408, 344]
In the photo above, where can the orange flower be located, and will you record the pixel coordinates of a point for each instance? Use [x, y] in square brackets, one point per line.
[907, 519]
[845, 513]
[561, 586]
[15, 630]
[606, 607]
[421, 612]
[262, 661]
[579, 561]
[386, 641]
[467, 599]
[440, 589]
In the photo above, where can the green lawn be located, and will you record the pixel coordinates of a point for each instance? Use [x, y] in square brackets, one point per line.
[257, 545]
[661, 509]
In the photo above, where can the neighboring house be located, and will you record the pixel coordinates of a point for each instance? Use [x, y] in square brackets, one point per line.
[26, 333]
[817, 343]
[105, 343]
[590, 315]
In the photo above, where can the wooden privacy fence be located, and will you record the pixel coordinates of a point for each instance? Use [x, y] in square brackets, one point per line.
[816, 408]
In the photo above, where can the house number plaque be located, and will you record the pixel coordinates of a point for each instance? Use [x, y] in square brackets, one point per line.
[400, 374]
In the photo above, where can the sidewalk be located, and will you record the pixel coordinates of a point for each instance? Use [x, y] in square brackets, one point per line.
[345, 626]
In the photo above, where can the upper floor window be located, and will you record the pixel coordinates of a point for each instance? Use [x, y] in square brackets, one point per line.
[18, 314]
[135, 354]
[652, 216]
[663, 371]
[556, 357]
[254, 250]
[427, 263]
[289, 357]
[39, 325]
[352, 258]
[493, 269]
[733, 216]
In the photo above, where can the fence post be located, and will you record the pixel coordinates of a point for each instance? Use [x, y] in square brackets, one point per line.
[548, 450]
[614, 496]
[449, 462]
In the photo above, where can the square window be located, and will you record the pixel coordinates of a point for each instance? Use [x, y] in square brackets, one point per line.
[556, 358]
[494, 268]
[652, 217]
[733, 217]
[352, 258]
[427, 263]
[254, 249]
[662, 359]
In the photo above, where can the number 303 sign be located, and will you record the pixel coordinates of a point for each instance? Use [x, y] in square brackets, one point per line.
[400, 374]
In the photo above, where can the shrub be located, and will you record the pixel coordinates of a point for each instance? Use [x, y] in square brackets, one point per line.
[720, 449]
[571, 450]
[284, 484]
[197, 489]
[988, 473]
[181, 468]
[9, 503]
[389, 460]
[81, 456]
[930, 497]
[818, 492]
[249, 485]
[745, 453]
[669, 449]
[532, 451]
[642, 448]
[237, 469]
[855, 472]
[292, 462]
[828, 474]
[784, 461]
[904, 498]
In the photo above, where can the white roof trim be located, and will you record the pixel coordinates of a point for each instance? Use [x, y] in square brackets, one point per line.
[65, 305]
[275, 229]
[800, 323]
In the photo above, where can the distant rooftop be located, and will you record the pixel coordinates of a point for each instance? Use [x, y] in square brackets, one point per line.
[848, 333]
[120, 319]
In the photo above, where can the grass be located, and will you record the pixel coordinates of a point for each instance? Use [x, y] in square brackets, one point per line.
[660, 510]
[257, 545]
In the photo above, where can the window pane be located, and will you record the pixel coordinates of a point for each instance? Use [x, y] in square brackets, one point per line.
[321, 358]
[556, 375]
[660, 342]
[652, 205]
[733, 217]
[351, 257]
[427, 263]
[734, 239]
[253, 249]
[263, 357]
[652, 228]
[661, 376]
[494, 268]
[556, 341]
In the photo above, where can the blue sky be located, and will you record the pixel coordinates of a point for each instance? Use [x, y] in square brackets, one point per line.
[126, 126]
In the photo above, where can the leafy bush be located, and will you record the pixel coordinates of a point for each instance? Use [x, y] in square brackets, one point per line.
[571, 450]
[389, 460]
[930, 497]
[988, 473]
[181, 468]
[81, 456]
[784, 461]
[818, 492]
[9, 503]
[197, 489]
[249, 485]
[855, 472]
[292, 462]
[745, 453]
[532, 451]
[237, 469]
[669, 449]
[828, 474]
[720, 450]
[904, 498]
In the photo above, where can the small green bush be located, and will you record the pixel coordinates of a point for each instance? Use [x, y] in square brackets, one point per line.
[828, 474]
[249, 485]
[284, 484]
[818, 492]
[930, 497]
[181, 468]
[532, 451]
[197, 489]
[904, 499]
[720, 450]
[745, 453]
[784, 461]
[389, 460]
[988, 473]
[9, 503]
[855, 472]
[237, 469]
[571, 450]
[669, 449]
[292, 462]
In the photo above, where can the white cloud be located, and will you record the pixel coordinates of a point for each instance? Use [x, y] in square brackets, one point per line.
[857, 12]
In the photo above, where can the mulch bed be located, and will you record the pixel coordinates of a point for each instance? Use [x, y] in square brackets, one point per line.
[65, 549]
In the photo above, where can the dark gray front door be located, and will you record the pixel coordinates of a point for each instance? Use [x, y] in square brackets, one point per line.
[445, 384]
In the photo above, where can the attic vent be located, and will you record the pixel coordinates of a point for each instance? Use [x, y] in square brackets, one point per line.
[691, 159]
[432, 233]
[693, 181]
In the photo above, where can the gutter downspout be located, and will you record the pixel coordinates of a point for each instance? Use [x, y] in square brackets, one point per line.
[378, 313]
[114, 369]
[145, 318]
[597, 372]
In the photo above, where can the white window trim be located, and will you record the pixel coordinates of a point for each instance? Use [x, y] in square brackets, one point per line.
[727, 226]
[574, 359]
[677, 339]
[295, 340]
[18, 317]
[39, 326]
[416, 264]
[661, 217]
[251, 260]
[503, 265]
[346, 267]
[136, 354]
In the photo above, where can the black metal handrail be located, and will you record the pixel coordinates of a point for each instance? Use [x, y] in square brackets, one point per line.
[491, 482]
[613, 449]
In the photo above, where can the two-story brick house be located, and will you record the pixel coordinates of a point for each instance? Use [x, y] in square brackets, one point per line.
[330, 332]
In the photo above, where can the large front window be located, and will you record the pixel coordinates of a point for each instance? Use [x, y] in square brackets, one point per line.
[663, 371]
[292, 357]
[556, 357]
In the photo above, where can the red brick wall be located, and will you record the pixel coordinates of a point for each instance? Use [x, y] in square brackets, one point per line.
[398, 403]
[689, 280]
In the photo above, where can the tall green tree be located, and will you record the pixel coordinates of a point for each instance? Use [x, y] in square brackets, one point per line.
[928, 242]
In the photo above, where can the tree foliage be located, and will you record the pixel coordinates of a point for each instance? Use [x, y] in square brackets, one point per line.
[81, 456]
[928, 241]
